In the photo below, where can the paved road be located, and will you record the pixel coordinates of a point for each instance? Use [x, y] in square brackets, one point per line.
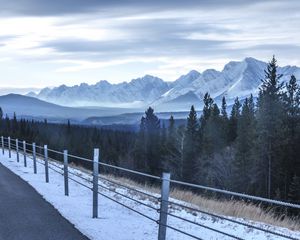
[25, 215]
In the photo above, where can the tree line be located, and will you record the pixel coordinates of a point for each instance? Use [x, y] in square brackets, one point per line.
[254, 149]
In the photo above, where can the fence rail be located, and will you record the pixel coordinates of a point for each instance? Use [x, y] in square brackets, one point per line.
[39, 154]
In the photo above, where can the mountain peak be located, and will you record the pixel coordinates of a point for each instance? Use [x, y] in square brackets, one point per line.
[238, 78]
[148, 76]
[187, 78]
[193, 73]
[102, 83]
[251, 59]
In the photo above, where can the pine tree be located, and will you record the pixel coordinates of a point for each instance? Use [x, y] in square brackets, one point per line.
[224, 108]
[208, 102]
[152, 138]
[270, 126]
[192, 123]
[245, 144]
[190, 146]
[290, 166]
[234, 116]
[292, 97]
[225, 120]
[251, 105]
[152, 123]
[211, 164]
[173, 156]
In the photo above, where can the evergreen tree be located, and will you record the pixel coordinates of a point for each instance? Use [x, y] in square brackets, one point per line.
[152, 139]
[270, 116]
[225, 121]
[190, 146]
[192, 123]
[245, 147]
[290, 166]
[208, 102]
[233, 121]
[224, 108]
[210, 166]
[173, 156]
[251, 105]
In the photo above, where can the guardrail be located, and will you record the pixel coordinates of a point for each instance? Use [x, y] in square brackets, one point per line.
[39, 154]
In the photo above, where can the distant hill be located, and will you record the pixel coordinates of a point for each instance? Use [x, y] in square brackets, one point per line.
[25, 106]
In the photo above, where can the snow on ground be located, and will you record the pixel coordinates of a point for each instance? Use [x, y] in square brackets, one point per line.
[117, 222]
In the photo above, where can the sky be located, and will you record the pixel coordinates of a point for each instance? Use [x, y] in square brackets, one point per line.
[49, 43]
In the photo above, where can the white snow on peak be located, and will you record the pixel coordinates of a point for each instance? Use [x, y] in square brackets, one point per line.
[237, 79]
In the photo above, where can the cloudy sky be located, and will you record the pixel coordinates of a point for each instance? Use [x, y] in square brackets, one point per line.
[48, 43]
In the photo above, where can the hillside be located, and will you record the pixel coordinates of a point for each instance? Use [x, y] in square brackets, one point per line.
[30, 107]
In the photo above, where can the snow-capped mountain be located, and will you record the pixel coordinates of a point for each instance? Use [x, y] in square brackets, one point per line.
[135, 93]
[237, 79]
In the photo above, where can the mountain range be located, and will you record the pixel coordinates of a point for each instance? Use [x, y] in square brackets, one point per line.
[237, 79]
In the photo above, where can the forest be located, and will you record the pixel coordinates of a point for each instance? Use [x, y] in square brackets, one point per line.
[254, 148]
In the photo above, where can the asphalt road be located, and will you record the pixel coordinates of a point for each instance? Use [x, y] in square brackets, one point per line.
[25, 215]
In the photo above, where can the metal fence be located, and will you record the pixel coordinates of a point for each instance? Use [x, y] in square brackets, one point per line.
[39, 155]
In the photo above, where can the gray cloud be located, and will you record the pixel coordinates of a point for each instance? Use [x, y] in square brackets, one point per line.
[152, 37]
[150, 47]
[5, 38]
[175, 35]
[61, 7]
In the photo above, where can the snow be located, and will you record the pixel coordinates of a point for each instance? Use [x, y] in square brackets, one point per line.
[237, 79]
[117, 222]
[103, 93]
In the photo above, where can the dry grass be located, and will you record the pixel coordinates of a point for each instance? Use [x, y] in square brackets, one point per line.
[238, 209]
[233, 208]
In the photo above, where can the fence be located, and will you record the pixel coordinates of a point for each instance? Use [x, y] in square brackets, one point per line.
[36, 153]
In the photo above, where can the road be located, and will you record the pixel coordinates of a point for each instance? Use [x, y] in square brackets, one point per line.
[25, 215]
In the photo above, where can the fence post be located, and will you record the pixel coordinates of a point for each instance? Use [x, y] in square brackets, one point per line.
[46, 163]
[2, 142]
[9, 149]
[34, 158]
[95, 182]
[163, 216]
[17, 150]
[24, 152]
[66, 172]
